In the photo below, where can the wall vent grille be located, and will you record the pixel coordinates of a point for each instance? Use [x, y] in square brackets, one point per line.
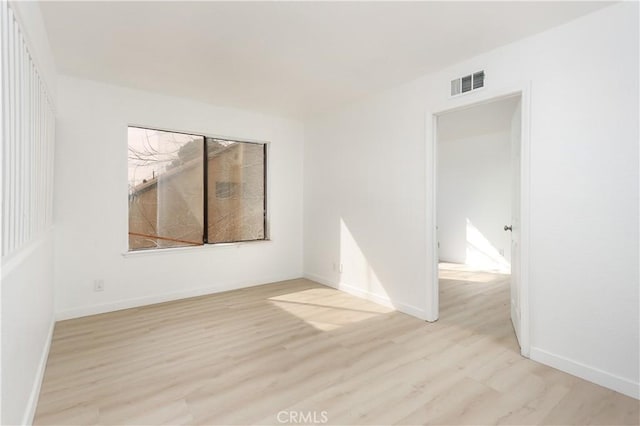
[467, 83]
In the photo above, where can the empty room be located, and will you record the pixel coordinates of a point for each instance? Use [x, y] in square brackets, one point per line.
[478, 167]
[341, 213]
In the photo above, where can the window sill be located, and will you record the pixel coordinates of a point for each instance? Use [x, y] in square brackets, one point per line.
[205, 247]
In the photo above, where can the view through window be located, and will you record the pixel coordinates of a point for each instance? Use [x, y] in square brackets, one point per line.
[179, 196]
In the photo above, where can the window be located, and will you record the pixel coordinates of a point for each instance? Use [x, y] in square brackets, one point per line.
[189, 190]
[227, 189]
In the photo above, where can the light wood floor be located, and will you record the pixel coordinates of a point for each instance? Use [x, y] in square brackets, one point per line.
[243, 356]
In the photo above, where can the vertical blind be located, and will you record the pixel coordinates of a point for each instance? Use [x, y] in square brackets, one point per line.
[27, 126]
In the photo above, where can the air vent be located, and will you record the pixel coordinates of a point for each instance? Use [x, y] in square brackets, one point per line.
[467, 83]
[478, 80]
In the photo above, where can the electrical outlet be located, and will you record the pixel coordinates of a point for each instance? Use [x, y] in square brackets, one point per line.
[334, 266]
[341, 268]
[98, 285]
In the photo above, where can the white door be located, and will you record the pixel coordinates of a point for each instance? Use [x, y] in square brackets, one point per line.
[514, 226]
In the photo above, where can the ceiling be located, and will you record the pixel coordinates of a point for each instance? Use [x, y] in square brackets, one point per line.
[283, 58]
[482, 119]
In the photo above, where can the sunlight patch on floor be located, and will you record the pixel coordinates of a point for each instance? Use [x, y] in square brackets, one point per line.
[329, 312]
[462, 272]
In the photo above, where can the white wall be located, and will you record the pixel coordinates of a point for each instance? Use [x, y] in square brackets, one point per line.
[27, 326]
[27, 272]
[365, 166]
[91, 202]
[474, 200]
[474, 185]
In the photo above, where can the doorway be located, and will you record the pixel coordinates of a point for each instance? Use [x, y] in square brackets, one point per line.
[480, 151]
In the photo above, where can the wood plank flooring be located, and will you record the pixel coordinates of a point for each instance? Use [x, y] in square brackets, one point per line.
[244, 356]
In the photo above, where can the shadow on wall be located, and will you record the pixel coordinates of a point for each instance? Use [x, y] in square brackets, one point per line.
[469, 246]
[481, 253]
[355, 269]
[365, 266]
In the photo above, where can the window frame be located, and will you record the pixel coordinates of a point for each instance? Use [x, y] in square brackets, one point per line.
[266, 145]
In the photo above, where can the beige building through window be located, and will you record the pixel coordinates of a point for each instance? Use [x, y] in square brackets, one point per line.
[172, 204]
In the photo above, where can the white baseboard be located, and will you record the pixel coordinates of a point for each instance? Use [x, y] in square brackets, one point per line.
[32, 404]
[159, 298]
[608, 380]
[599, 377]
[373, 297]
[602, 378]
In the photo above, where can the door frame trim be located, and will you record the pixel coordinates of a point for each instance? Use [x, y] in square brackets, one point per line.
[454, 104]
